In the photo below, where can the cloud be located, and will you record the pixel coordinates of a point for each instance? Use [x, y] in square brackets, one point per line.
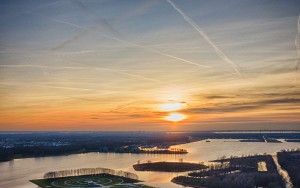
[245, 106]
[218, 96]
[297, 44]
[45, 85]
[283, 60]
[248, 94]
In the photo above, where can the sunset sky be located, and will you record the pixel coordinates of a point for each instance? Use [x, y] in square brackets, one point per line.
[153, 65]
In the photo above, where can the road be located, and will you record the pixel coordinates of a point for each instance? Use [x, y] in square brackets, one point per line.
[283, 173]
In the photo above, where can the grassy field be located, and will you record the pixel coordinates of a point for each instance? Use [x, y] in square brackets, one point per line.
[101, 180]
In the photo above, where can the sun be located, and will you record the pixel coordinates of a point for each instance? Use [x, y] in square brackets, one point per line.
[175, 117]
[169, 107]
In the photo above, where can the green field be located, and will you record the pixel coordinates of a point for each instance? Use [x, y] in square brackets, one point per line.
[100, 180]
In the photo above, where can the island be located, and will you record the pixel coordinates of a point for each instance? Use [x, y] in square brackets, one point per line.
[169, 166]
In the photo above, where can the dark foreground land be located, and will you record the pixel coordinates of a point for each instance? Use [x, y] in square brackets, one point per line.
[169, 166]
[290, 161]
[240, 172]
[99, 180]
[41, 144]
[15, 145]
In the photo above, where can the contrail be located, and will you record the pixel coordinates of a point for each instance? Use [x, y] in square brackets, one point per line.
[67, 23]
[155, 51]
[123, 72]
[100, 22]
[140, 76]
[134, 44]
[30, 11]
[297, 44]
[69, 88]
[73, 38]
[116, 34]
[219, 52]
[48, 86]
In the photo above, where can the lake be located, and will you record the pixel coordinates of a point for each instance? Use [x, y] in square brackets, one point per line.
[17, 173]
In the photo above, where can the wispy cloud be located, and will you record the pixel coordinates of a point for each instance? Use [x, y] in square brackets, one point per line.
[123, 72]
[245, 106]
[45, 85]
[297, 44]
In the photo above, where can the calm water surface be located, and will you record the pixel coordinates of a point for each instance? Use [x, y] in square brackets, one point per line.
[15, 174]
